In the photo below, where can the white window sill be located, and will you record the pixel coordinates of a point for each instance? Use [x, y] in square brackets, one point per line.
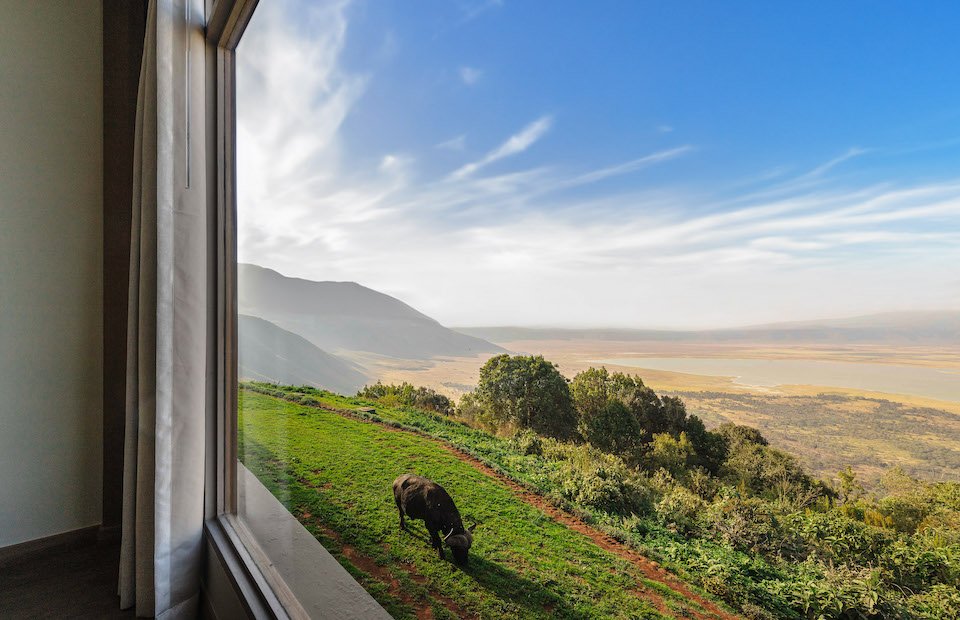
[303, 576]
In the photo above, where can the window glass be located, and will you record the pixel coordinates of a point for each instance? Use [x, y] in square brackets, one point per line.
[538, 308]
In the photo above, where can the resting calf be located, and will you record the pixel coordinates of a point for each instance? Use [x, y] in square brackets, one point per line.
[420, 498]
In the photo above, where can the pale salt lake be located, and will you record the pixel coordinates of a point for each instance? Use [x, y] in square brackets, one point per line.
[939, 383]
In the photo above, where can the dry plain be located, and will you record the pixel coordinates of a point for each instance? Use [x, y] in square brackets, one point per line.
[828, 427]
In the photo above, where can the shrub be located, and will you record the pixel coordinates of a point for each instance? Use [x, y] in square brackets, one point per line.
[669, 453]
[839, 592]
[528, 443]
[912, 564]
[681, 511]
[762, 470]
[746, 523]
[407, 395]
[940, 602]
[834, 538]
[702, 483]
[903, 513]
[600, 481]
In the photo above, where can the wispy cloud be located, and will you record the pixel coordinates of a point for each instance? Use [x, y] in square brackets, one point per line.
[515, 144]
[629, 166]
[474, 9]
[470, 75]
[454, 144]
[836, 161]
[293, 98]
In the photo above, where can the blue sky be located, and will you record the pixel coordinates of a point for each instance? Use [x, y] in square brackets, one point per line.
[644, 164]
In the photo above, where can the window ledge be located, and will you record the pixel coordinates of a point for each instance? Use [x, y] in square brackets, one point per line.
[285, 570]
[246, 581]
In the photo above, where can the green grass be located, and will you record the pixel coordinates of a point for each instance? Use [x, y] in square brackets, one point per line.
[334, 473]
[797, 573]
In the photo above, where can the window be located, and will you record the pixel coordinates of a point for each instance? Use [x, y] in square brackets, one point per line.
[486, 245]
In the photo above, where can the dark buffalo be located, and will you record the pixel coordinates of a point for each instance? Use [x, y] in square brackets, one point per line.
[420, 498]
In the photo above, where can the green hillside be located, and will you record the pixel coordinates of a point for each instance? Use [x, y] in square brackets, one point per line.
[760, 534]
[334, 474]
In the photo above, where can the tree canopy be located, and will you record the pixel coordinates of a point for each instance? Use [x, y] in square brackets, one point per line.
[529, 392]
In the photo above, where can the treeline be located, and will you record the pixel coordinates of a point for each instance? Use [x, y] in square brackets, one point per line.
[618, 414]
[733, 514]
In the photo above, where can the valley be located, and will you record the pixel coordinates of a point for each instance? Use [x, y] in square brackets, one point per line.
[771, 473]
[869, 392]
[827, 426]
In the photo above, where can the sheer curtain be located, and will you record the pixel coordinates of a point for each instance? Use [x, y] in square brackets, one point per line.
[167, 330]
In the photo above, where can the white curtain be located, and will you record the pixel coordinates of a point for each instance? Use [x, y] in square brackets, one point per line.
[163, 485]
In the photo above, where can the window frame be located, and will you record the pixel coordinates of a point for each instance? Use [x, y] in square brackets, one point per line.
[262, 592]
[255, 578]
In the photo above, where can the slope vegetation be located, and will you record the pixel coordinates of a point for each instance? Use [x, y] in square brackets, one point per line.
[754, 535]
[334, 473]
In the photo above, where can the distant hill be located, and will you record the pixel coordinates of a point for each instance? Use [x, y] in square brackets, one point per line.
[929, 328]
[345, 316]
[944, 323]
[269, 353]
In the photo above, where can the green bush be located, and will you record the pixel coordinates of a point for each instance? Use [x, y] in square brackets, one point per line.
[745, 523]
[408, 395]
[681, 511]
[592, 479]
[669, 453]
[941, 602]
[528, 443]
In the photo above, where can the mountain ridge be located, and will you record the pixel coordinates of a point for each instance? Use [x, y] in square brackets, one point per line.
[347, 317]
[917, 327]
[270, 353]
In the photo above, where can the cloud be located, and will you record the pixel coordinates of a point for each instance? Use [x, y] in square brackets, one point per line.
[517, 143]
[470, 75]
[293, 98]
[553, 244]
[473, 10]
[664, 128]
[836, 161]
[454, 144]
[630, 166]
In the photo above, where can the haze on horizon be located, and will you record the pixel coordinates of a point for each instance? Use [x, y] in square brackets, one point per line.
[686, 165]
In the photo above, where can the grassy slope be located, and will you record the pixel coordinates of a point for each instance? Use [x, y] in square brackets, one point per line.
[334, 474]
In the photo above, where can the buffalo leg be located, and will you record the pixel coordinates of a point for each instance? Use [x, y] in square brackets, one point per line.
[403, 524]
[437, 543]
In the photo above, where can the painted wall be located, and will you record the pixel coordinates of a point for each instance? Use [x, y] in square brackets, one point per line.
[50, 267]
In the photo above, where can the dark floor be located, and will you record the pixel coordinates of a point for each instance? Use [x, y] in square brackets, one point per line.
[75, 583]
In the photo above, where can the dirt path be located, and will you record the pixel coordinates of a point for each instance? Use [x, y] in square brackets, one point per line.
[422, 607]
[650, 569]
